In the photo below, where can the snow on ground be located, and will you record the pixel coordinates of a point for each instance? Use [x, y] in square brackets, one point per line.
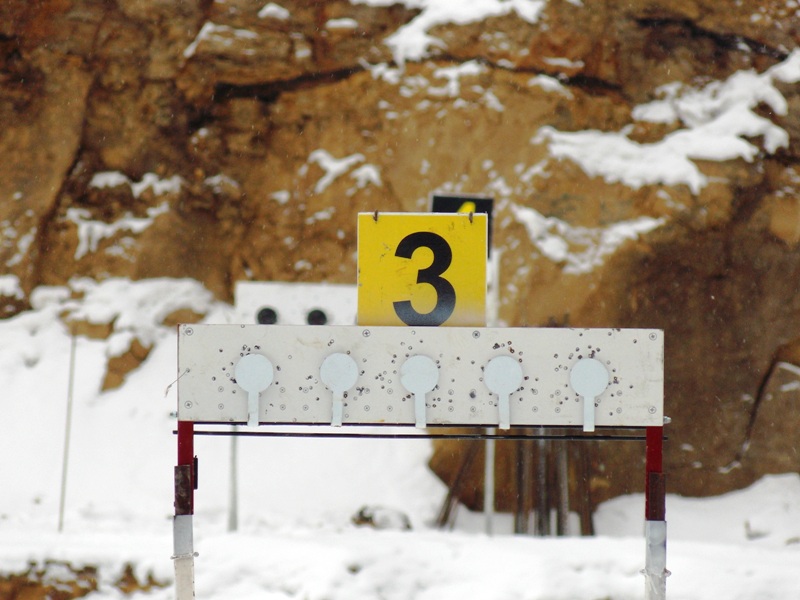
[296, 496]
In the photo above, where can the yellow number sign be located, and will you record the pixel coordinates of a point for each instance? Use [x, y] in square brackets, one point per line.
[422, 269]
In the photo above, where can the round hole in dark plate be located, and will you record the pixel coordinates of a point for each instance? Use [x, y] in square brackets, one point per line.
[317, 317]
[266, 316]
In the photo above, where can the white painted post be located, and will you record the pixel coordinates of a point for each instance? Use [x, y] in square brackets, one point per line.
[492, 315]
[183, 556]
[655, 570]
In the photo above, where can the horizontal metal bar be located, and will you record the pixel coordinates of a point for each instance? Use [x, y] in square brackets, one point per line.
[428, 436]
[546, 429]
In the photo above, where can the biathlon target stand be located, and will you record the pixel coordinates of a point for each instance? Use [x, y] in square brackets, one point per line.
[422, 378]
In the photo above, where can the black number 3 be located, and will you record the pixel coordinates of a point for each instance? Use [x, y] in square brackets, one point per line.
[445, 293]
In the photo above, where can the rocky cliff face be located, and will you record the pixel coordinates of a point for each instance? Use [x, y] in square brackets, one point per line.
[643, 156]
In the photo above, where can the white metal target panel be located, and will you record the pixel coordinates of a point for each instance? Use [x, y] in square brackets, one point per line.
[468, 376]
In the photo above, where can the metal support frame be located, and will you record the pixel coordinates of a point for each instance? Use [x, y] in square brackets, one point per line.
[202, 367]
[655, 570]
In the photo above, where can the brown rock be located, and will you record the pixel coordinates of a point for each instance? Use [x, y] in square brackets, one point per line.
[41, 136]
[770, 445]
[94, 331]
[181, 315]
[238, 146]
[785, 220]
[119, 366]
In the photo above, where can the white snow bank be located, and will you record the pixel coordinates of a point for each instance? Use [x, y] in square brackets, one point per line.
[718, 122]
[123, 448]
[138, 307]
[766, 514]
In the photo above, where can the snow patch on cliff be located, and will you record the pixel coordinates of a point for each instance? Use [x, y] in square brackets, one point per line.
[581, 249]
[413, 42]
[717, 122]
[91, 232]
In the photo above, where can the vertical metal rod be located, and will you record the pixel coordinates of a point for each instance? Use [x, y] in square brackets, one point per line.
[488, 482]
[655, 570]
[584, 486]
[233, 492]
[520, 523]
[447, 512]
[493, 293]
[562, 469]
[67, 429]
[525, 469]
[491, 317]
[542, 496]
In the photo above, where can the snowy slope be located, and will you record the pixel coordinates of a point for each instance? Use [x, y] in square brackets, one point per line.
[297, 496]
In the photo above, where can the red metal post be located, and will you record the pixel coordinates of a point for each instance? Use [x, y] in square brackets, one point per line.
[655, 487]
[184, 472]
[185, 442]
